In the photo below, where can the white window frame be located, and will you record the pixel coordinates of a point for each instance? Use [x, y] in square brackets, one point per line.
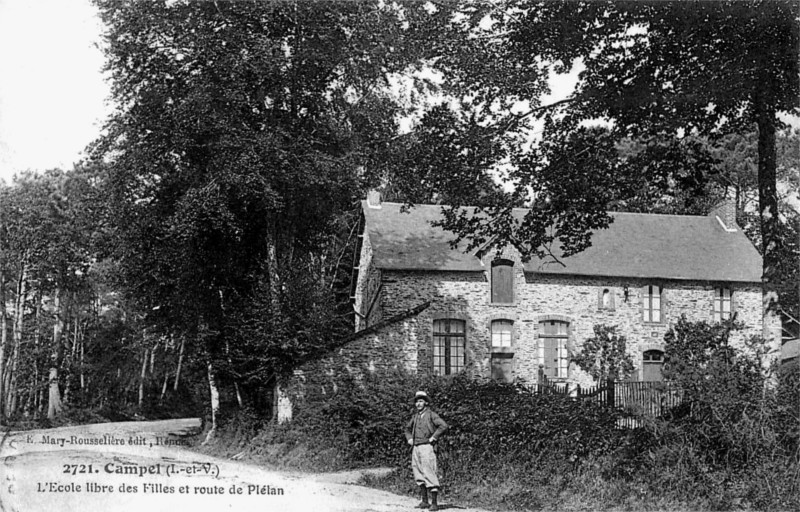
[723, 303]
[653, 304]
[502, 339]
[562, 368]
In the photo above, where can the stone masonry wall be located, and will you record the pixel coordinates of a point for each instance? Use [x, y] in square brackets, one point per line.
[539, 297]
[389, 349]
[407, 345]
[368, 286]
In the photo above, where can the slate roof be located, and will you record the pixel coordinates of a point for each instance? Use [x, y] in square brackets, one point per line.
[637, 245]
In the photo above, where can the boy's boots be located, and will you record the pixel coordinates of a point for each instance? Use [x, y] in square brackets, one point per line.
[434, 502]
[424, 495]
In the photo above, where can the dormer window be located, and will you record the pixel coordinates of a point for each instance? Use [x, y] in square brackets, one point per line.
[502, 284]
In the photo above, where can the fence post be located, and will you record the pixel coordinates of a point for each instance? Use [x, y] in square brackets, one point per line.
[610, 392]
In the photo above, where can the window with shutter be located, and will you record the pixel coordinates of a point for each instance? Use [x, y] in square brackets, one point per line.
[652, 366]
[502, 282]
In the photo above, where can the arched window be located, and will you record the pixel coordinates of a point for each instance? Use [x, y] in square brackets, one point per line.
[652, 365]
[449, 346]
[502, 282]
[605, 298]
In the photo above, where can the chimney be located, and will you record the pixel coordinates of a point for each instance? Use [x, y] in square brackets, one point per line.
[374, 199]
[725, 212]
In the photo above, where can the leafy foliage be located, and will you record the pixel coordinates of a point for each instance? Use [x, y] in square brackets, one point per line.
[644, 69]
[525, 451]
[604, 356]
[235, 152]
[364, 419]
[729, 411]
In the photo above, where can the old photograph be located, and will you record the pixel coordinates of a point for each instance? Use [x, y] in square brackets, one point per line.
[396, 255]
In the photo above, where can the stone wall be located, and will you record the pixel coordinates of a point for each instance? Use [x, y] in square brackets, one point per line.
[541, 297]
[368, 288]
[407, 344]
[392, 348]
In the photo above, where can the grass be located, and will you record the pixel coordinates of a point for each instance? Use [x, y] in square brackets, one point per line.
[549, 483]
[510, 488]
[544, 452]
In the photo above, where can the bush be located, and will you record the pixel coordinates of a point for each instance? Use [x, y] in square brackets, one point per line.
[510, 449]
[732, 413]
[489, 422]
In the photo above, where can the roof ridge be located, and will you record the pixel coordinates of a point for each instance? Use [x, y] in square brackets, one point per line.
[662, 214]
[417, 205]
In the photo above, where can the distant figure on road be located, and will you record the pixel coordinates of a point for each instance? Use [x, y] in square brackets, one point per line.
[422, 432]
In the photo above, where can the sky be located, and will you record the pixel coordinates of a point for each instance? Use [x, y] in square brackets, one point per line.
[52, 92]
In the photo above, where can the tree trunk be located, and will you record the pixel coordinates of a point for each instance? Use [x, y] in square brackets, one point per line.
[164, 386]
[274, 278]
[153, 357]
[180, 362]
[38, 388]
[69, 358]
[235, 381]
[274, 299]
[142, 377]
[54, 398]
[30, 402]
[610, 394]
[83, 383]
[767, 186]
[54, 405]
[3, 339]
[19, 313]
[212, 386]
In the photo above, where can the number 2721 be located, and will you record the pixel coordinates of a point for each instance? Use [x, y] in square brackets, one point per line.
[74, 469]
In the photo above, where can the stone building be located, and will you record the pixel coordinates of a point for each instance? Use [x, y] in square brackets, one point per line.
[429, 309]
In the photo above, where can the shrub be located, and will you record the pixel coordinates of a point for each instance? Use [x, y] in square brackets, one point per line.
[511, 449]
[729, 413]
[488, 422]
[604, 356]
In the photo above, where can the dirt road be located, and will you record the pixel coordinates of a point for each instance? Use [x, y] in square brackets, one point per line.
[144, 466]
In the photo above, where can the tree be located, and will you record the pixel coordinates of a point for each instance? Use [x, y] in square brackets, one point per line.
[235, 150]
[46, 229]
[650, 69]
[691, 174]
[605, 357]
